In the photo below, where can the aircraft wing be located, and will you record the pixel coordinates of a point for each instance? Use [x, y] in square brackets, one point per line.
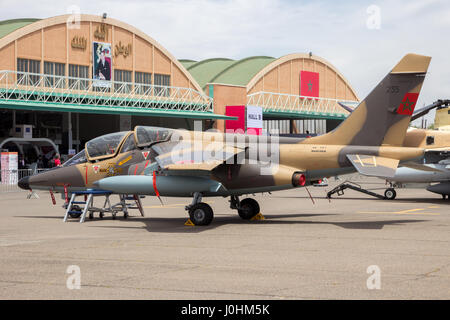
[196, 160]
[422, 167]
[373, 165]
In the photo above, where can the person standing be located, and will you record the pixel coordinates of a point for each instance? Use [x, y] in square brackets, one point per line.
[57, 160]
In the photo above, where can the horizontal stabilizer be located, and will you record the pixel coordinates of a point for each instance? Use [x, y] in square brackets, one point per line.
[373, 165]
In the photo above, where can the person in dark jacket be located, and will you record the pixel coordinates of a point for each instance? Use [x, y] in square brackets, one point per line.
[103, 69]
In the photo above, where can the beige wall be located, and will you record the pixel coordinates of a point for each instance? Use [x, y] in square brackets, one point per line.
[5, 57]
[76, 55]
[285, 78]
[52, 43]
[227, 95]
[29, 47]
[55, 41]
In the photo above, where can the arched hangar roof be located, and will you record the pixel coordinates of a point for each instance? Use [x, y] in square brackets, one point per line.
[11, 30]
[248, 71]
[223, 70]
[8, 26]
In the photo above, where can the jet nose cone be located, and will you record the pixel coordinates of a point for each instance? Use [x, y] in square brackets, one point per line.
[24, 183]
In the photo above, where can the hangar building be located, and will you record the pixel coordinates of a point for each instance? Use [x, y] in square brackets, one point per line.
[70, 80]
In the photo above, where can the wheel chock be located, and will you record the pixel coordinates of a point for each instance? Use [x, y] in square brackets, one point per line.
[259, 216]
[189, 223]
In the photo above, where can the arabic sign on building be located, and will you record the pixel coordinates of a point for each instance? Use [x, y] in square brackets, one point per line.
[79, 42]
[121, 49]
[101, 32]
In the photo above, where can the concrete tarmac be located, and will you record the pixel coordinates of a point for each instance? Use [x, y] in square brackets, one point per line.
[301, 251]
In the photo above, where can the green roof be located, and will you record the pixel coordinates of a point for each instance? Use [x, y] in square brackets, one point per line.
[187, 62]
[228, 71]
[242, 71]
[8, 26]
[203, 71]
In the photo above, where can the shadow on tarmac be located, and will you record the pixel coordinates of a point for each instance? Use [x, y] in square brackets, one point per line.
[398, 200]
[176, 225]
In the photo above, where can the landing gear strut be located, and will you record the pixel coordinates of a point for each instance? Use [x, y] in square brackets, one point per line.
[200, 213]
[247, 208]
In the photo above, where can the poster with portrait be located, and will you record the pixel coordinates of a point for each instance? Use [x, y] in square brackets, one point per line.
[102, 64]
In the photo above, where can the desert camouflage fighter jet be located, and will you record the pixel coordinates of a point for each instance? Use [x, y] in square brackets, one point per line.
[168, 162]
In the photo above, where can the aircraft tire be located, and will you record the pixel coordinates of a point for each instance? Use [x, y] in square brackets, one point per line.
[390, 194]
[75, 215]
[248, 208]
[201, 214]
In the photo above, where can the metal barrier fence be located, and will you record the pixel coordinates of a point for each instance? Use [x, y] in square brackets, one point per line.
[10, 178]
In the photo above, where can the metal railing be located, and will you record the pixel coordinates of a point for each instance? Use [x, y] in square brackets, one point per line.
[280, 102]
[35, 87]
[10, 178]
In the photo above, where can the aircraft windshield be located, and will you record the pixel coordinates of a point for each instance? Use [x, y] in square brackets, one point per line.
[105, 145]
[146, 136]
[80, 157]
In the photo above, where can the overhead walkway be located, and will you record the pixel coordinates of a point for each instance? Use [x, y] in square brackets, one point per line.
[40, 92]
[288, 106]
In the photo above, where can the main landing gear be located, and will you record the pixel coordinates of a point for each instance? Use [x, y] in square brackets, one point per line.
[247, 208]
[201, 214]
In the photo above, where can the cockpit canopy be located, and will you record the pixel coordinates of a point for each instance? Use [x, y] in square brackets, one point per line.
[108, 145]
[104, 146]
[147, 136]
[80, 157]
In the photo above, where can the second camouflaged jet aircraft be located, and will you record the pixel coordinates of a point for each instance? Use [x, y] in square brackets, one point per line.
[168, 162]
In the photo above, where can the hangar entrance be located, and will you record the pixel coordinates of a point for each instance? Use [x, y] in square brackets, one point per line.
[70, 115]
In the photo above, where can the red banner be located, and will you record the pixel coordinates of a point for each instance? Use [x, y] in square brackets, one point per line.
[309, 84]
[235, 125]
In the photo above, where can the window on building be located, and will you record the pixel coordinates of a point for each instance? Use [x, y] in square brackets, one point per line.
[80, 72]
[54, 73]
[161, 82]
[142, 82]
[122, 76]
[28, 66]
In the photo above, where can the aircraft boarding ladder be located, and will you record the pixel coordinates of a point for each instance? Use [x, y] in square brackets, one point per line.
[74, 210]
[339, 189]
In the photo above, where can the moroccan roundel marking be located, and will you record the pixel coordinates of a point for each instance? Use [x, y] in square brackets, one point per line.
[408, 103]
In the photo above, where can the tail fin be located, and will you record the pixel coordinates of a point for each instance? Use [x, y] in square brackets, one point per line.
[382, 118]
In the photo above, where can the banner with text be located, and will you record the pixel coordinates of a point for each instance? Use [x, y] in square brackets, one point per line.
[254, 120]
